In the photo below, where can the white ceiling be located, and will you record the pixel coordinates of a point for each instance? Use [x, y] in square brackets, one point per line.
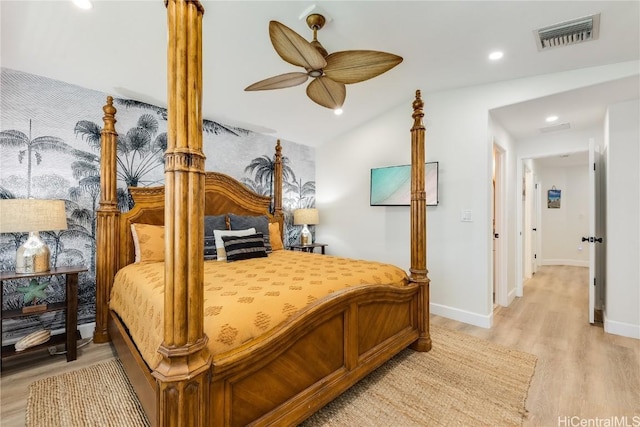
[119, 47]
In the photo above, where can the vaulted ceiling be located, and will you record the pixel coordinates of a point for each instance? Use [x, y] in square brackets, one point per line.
[119, 47]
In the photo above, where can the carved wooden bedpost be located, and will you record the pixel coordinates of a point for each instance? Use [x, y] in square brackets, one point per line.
[183, 373]
[277, 185]
[107, 228]
[418, 268]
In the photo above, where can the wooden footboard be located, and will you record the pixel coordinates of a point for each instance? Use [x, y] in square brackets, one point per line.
[287, 375]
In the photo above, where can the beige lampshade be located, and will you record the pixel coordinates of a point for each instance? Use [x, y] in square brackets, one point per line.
[306, 217]
[26, 215]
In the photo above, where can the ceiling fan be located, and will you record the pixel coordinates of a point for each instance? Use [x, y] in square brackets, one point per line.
[330, 72]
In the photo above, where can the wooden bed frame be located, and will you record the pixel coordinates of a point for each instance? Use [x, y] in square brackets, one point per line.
[287, 374]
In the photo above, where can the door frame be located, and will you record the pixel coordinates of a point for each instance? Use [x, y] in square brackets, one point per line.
[499, 203]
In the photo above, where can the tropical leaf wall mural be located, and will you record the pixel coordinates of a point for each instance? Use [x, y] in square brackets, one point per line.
[50, 148]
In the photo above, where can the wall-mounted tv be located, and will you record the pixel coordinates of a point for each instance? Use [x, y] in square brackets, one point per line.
[391, 186]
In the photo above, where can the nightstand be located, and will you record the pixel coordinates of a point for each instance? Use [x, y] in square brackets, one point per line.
[70, 307]
[309, 248]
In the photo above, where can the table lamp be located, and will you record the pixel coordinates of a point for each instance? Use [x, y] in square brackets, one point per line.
[32, 216]
[305, 217]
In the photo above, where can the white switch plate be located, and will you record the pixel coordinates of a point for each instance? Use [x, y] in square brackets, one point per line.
[465, 216]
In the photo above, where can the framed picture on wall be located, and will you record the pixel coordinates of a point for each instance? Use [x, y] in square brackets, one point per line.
[553, 198]
[391, 186]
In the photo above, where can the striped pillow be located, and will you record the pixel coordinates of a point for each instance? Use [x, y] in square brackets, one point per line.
[244, 247]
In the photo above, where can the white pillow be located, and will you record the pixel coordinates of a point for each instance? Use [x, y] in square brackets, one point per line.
[217, 234]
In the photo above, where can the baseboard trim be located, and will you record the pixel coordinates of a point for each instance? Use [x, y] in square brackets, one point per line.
[621, 328]
[484, 321]
[86, 329]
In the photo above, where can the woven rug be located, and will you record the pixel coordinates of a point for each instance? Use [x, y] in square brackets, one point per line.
[99, 395]
[462, 381]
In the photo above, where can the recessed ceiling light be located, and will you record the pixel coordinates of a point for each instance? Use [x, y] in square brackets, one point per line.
[494, 56]
[83, 4]
[337, 111]
[551, 119]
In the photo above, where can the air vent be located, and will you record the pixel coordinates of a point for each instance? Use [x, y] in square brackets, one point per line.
[555, 128]
[569, 32]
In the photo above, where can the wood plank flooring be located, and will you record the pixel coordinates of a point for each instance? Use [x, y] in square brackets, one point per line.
[581, 372]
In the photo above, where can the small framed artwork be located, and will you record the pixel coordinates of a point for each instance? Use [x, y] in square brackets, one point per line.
[553, 198]
[391, 186]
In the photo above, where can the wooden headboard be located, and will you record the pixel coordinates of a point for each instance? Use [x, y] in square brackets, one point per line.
[223, 195]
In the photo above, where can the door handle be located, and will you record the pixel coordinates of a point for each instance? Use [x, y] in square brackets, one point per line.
[496, 235]
[592, 239]
[534, 229]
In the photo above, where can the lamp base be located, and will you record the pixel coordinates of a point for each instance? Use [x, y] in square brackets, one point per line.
[305, 236]
[33, 256]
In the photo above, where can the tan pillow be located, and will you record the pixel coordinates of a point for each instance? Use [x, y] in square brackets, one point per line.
[275, 236]
[148, 241]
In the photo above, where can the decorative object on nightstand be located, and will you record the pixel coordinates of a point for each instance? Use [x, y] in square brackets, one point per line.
[32, 216]
[306, 217]
[32, 293]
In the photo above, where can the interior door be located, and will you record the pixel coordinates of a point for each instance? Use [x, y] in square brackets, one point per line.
[594, 237]
[535, 216]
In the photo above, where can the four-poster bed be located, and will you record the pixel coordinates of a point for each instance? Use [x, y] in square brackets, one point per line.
[311, 351]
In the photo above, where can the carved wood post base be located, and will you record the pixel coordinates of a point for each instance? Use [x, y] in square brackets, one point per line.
[183, 378]
[423, 343]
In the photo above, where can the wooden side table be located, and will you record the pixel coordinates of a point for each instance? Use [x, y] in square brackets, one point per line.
[309, 248]
[70, 306]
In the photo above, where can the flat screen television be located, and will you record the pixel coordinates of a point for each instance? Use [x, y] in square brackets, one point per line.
[391, 186]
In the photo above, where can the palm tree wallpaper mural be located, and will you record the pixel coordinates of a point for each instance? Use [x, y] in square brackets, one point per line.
[50, 148]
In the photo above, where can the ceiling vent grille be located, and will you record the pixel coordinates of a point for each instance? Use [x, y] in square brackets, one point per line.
[555, 128]
[569, 32]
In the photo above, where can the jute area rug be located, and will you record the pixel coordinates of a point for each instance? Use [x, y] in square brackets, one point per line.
[462, 381]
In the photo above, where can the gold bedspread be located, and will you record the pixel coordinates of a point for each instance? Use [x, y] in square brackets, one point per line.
[242, 299]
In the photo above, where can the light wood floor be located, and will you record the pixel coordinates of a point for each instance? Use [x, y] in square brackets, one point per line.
[581, 371]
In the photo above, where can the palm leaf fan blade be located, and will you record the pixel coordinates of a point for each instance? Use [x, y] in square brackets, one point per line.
[293, 48]
[327, 92]
[279, 82]
[353, 66]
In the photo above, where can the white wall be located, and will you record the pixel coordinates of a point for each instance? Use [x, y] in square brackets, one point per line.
[459, 137]
[561, 229]
[622, 294]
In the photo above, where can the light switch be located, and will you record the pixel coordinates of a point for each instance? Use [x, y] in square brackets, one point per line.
[465, 216]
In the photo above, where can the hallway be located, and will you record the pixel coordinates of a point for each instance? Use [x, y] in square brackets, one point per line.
[582, 373]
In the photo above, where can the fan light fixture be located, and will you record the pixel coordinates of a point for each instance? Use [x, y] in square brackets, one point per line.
[330, 72]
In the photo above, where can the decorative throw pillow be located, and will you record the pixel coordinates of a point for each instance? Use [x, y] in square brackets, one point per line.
[212, 222]
[222, 255]
[275, 237]
[148, 241]
[260, 223]
[244, 247]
